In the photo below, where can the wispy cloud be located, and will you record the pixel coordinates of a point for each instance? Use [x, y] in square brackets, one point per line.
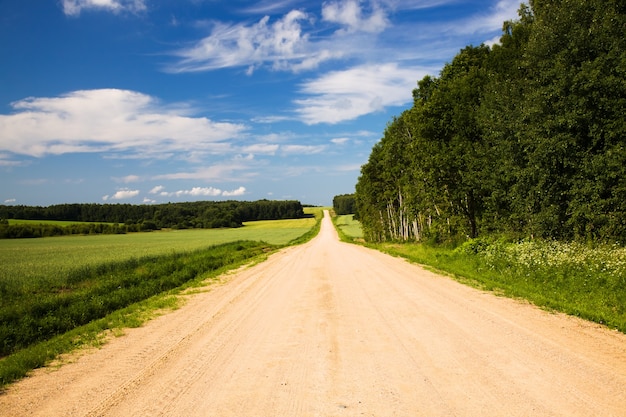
[302, 149]
[75, 7]
[492, 18]
[351, 16]
[127, 179]
[237, 169]
[107, 120]
[157, 189]
[261, 149]
[280, 44]
[346, 95]
[340, 141]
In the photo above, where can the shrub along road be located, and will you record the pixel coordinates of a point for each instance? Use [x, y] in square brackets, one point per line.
[333, 329]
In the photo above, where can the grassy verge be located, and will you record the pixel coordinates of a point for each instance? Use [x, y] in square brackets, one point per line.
[348, 229]
[34, 327]
[62, 307]
[574, 279]
[588, 282]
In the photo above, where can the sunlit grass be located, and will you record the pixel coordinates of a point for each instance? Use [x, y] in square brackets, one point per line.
[348, 227]
[59, 293]
[37, 261]
[588, 282]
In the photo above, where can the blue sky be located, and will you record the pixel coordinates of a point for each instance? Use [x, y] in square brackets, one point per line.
[154, 101]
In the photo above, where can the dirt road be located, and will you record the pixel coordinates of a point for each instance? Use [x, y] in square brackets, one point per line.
[332, 329]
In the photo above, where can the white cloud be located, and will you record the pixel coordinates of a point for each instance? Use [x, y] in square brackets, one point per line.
[233, 170]
[348, 168]
[198, 192]
[74, 7]
[127, 179]
[349, 14]
[107, 120]
[302, 149]
[281, 44]
[340, 141]
[489, 20]
[346, 95]
[122, 194]
[492, 19]
[261, 148]
[7, 161]
[203, 192]
[157, 189]
[235, 193]
[10, 200]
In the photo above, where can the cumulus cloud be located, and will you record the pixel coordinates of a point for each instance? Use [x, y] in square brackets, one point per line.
[75, 7]
[203, 192]
[280, 44]
[122, 194]
[350, 15]
[106, 120]
[10, 200]
[235, 193]
[346, 95]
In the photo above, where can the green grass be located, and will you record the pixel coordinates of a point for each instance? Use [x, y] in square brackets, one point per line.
[571, 278]
[348, 228]
[576, 279]
[62, 292]
[37, 262]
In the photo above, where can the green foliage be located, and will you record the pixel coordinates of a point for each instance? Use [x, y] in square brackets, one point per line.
[524, 139]
[92, 292]
[48, 308]
[572, 278]
[344, 204]
[348, 227]
[123, 218]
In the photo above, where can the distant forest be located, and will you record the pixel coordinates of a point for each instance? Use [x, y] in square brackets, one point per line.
[525, 139]
[122, 218]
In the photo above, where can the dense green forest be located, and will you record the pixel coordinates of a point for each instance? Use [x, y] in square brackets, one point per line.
[524, 139]
[344, 204]
[122, 218]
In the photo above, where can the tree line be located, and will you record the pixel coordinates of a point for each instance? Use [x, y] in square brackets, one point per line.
[123, 218]
[344, 204]
[526, 138]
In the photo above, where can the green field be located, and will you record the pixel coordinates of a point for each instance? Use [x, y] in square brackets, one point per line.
[37, 261]
[348, 227]
[57, 293]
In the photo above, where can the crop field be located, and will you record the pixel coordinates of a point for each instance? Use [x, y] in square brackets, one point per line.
[52, 287]
[38, 261]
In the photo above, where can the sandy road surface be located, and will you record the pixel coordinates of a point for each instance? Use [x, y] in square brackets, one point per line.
[332, 329]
